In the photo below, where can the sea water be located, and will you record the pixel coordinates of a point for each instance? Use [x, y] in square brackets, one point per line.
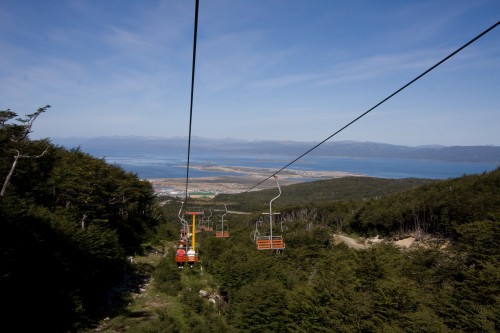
[158, 165]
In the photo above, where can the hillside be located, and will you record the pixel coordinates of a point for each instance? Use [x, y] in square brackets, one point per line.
[92, 241]
[316, 192]
[409, 276]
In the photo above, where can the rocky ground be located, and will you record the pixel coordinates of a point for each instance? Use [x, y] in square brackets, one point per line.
[408, 242]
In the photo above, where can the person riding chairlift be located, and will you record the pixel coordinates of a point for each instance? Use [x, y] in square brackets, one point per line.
[191, 256]
[180, 253]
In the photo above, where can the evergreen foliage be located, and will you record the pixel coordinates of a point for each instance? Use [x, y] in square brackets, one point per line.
[437, 208]
[316, 286]
[70, 220]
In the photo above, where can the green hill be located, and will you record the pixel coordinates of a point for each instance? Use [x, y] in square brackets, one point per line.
[78, 236]
[447, 284]
[343, 188]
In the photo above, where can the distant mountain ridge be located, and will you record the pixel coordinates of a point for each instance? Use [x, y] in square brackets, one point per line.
[352, 149]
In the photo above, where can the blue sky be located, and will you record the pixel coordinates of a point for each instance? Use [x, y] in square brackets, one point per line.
[294, 70]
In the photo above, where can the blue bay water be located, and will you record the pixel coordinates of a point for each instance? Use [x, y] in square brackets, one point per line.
[154, 165]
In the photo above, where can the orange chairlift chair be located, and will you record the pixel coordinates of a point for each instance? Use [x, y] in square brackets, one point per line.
[192, 255]
[181, 256]
[271, 241]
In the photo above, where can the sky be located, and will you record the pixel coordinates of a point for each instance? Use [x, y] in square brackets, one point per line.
[295, 70]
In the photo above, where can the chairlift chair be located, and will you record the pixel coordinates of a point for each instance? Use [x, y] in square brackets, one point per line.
[181, 257]
[209, 224]
[184, 229]
[192, 255]
[270, 242]
[200, 226]
[222, 231]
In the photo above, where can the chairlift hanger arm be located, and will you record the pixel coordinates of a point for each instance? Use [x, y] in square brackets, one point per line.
[183, 221]
[279, 189]
[270, 203]
[223, 215]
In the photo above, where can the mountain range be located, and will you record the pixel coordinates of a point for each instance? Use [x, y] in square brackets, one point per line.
[352, 149]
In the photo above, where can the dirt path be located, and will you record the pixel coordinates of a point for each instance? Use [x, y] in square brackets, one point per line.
[350, 242]
[362, 244]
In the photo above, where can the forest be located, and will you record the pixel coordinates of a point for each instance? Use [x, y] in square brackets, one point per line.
[86, 246]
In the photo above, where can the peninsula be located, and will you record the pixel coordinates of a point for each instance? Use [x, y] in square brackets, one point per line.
[241, 179]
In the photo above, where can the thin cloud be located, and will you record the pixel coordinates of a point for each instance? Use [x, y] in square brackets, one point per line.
[381, 65]
[285, 80]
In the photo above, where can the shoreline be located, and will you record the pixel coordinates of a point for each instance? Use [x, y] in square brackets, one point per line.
[241, 180]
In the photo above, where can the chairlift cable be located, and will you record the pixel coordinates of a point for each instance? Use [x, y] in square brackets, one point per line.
[381, 102]
[191, 102]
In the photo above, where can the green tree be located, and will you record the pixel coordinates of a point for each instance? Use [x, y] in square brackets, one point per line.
[17, 134]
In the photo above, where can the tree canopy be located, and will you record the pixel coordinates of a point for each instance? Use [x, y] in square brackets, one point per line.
[69, 221]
